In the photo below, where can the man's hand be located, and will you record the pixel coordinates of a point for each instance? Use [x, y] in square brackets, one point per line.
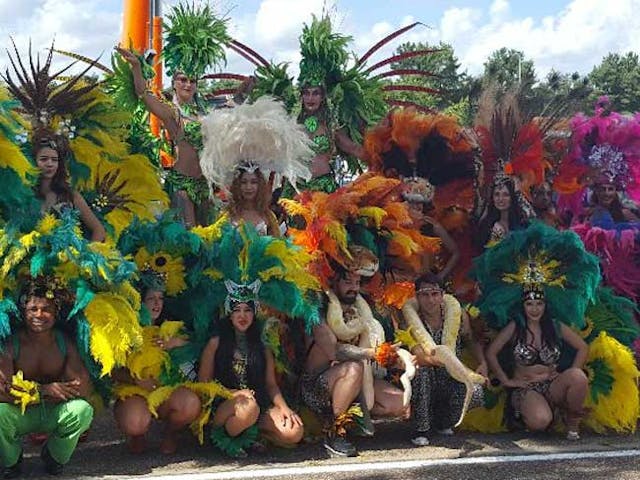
[483, 369]
[61, 391]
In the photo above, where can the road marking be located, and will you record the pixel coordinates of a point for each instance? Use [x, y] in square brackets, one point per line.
[236, 474]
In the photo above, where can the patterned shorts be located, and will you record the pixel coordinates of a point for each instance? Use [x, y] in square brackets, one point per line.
[314, 390]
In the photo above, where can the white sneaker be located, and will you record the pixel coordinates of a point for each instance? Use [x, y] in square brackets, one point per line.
[573, 435]
[446, 431]
[420, 441]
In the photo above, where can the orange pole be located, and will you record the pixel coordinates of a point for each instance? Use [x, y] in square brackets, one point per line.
[157, 67]
[135, 25]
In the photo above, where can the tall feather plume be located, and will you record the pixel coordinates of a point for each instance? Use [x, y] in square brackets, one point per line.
[39, 93]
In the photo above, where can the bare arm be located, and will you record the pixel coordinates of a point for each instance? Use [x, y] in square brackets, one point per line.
[335, 351]
[153, 104]
[207, 360]
[629, 216]
[98, 233]
[581, 347]
[6, 373]
[75, 371]
[495, 347]
[474, 344]
[451, 246]
[348, 146]
[272, 385]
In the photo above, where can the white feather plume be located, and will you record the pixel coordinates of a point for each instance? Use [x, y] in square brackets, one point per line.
[261, 134]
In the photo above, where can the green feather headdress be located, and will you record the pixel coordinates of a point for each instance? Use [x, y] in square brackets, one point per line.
[538, 259]
[324, 54]
[104, 310]
[262, 269]
[194, 40]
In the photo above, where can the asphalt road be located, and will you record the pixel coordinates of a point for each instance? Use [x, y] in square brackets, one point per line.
[388, 455]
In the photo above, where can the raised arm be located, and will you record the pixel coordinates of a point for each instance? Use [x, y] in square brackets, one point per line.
[153, 104]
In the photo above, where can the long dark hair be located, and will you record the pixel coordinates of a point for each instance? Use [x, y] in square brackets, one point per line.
[256, 364]
[550, 335]
[493, 214]
[60, 181]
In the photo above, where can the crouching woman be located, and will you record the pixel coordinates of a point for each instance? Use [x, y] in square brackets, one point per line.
[238, 359]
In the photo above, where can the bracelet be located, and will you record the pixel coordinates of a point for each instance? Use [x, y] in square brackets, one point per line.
[146, 91]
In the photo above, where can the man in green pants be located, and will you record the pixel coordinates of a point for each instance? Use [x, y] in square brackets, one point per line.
[56, 403]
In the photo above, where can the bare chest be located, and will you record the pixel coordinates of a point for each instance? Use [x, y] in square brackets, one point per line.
[42, 364]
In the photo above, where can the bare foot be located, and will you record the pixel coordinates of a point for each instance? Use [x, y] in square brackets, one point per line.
[169, 443]
[137, 444]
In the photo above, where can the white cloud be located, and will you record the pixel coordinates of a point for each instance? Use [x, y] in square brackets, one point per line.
[499, 9]
[576, 38]
[80, 26]
[278, 20]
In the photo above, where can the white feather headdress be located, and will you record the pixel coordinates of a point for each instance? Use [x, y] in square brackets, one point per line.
[261, 135]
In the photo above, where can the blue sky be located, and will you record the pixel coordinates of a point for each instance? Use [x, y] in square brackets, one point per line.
[568, 35]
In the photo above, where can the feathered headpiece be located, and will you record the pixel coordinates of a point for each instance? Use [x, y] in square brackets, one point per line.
[239, 265]
[87, 129]
[194, 40]
[430, 146]
[357, 92]
[539, 262]
[324, 54]
[604, 149]
[511, 140]
[104, 306]
[250, 136]
[368, 213]
[163, 251]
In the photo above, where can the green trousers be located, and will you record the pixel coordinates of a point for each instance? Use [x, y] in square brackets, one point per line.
[63, 422]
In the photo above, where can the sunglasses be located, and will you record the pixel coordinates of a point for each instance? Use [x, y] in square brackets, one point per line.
[187, 80]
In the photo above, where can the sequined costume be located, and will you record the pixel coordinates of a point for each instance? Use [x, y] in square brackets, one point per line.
[527, 355]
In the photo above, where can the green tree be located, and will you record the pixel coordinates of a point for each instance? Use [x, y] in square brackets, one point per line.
[446, 76]
[618, 76]
[507, 68]
[561, 92]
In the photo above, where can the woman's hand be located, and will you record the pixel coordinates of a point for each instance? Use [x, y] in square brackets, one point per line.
[129, 56]
[147, 383]
[169, 344]
[287, 417]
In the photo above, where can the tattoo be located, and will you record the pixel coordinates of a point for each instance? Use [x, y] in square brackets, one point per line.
[345, 352]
